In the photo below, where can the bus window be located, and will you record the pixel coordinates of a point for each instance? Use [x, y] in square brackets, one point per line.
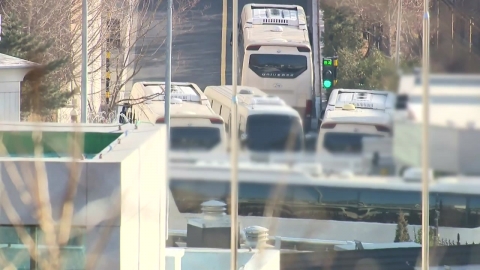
[340, 142]
[452, 209]
[274, 133]
[283, 66]
[194, 138]
[383, 206]
[190, 194]
[254, 198]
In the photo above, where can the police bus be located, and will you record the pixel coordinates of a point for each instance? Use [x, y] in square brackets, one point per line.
[275, 54]
[194, 125]
[265, 123]
[352, 115]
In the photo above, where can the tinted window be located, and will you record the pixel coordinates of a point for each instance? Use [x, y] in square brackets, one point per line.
[252, 198]
[190, 194]
[383, 206]
[274, 133]
[474, 212]
[338, 142]
[258, 199]
[194, 138]
[452, 209]
[325, 203]
[278, 66]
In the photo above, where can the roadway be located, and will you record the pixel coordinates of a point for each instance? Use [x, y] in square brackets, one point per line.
[197, 43]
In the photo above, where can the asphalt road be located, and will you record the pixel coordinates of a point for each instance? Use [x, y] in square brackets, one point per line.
[196, 55]
[196, 46]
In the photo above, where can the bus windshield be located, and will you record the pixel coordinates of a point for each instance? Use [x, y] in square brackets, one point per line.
[274, 133]
[345, 143]
[278, 65]
[194, 138]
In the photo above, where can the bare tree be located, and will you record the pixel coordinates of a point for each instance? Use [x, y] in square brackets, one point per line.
[379, 19]
[132, 30]
[118, 27]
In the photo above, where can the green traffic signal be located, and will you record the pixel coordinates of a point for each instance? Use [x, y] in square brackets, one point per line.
[327, 84]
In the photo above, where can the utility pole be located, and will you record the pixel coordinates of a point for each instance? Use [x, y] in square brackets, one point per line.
[317, 48]
[425, 138]
[168, 91]
[84, 59]
[234, 143]
[399, 31]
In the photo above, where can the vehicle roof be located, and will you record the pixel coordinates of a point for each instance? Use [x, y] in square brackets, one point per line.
[266, 35]
[187, 99]
[368, 99]
[441, 84]
[359, 116]
[184, 109]
[261, 23]
[454, 99]
[187, 91]
[283, 174]
[253, 99]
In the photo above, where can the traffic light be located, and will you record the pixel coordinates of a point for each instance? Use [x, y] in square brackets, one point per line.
[329, 72]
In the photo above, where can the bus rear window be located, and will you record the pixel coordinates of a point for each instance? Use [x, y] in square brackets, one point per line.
[278, 65]
[345, 143]
[194, 138]
[267, 132]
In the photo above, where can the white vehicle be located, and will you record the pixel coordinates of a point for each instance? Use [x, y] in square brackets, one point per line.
[362, 99]
[454, 100]
[351, 116]
[265, 122]
[194, 125]
[275, 53]
[325, 207]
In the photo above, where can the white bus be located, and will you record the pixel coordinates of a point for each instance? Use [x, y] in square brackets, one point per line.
[352, 115]
[194, 125]
[275, 54]
[325, 207]
[265, 122]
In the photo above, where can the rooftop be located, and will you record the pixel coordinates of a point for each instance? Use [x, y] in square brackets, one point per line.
[57, 140]
[7, 61]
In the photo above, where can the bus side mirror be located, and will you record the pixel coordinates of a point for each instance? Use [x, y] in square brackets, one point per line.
[243, 140]
[231, 39]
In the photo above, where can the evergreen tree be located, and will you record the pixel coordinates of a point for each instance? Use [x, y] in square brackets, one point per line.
[41, 90]
[418, 237]
[401, 234]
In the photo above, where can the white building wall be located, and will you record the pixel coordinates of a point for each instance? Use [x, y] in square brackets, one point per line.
[10, 101]
[118, 199]
[10, 79]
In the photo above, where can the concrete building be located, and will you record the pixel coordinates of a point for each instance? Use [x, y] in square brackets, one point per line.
[12, 73]
[116, 176]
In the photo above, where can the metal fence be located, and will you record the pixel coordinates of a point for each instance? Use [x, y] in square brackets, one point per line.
[65, 116]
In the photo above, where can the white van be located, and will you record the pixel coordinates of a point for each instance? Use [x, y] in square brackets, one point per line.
[265, 122]
[194, 125]
[342, 131]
